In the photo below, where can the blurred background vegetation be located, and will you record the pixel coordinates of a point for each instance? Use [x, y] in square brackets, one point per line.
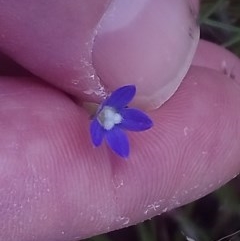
[215, 217]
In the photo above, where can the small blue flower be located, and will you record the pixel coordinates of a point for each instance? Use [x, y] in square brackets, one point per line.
[113, 117]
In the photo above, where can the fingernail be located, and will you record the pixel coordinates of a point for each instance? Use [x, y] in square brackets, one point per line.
[146, 43]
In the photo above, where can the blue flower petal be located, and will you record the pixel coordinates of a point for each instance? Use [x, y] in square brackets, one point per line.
[121, 97]
[135, 120]
[118, 141]
[97, 132]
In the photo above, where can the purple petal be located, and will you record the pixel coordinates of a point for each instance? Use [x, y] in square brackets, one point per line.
[135, 120]
[97, 132]
[118, 141]
[121, 97]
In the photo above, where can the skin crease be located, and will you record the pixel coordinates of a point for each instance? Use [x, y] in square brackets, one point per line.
[54, 185]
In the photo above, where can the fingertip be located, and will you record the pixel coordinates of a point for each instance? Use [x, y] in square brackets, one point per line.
[213, 56]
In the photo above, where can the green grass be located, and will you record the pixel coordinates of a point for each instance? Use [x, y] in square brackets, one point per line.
[215, 217]
[220, 23]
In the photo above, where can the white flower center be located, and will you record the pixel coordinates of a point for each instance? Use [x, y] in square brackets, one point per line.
[108, 118]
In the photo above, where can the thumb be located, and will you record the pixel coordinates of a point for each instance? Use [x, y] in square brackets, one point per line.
[92, 47]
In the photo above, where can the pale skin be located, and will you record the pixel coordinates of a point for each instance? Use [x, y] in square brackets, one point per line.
[54, 185]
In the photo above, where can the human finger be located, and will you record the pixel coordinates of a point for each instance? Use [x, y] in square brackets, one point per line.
[56, 186]
[84, 47]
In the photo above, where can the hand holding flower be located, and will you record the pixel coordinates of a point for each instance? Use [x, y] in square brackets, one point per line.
[54, 184]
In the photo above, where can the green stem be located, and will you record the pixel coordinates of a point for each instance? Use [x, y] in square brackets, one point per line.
[211, 10]
[220, 25]
[144, 233]
[232, 41]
